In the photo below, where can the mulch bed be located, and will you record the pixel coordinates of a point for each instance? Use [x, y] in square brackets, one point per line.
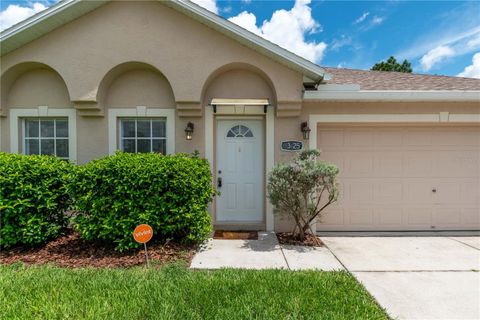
[71, 251]
[310, 240]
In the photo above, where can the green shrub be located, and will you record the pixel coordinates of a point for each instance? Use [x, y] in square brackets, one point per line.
[116, 193]
[296, 189]
[33, 198]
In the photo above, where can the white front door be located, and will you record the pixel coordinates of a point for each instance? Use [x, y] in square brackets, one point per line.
[240, 171]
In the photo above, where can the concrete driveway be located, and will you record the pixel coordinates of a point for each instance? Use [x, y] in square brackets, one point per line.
[416, 277]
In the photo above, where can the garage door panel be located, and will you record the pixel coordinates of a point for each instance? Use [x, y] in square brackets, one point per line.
[418, 191]
[388, 138]
[470, 216]
[444, 217]
[388, 191]
[359, 192]
[359, 137]
[455, 137]
[333, 216]
[419, 216]
[417, 137]
[455, 164]
[387, 174]
[331, 138]
[417, 164]
[469, 192]
[359, 164]
[448, 192]
[389, 164]
[337, 158]
[360, 216]
[388, 217]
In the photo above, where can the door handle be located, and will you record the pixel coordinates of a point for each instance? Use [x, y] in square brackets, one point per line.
[219, 182]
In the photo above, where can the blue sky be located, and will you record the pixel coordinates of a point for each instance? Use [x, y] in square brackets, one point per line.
[438, 37]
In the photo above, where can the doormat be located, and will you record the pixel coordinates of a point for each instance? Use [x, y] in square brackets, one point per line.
[235, 235]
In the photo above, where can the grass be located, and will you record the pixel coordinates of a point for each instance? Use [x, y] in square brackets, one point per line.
[174, 292]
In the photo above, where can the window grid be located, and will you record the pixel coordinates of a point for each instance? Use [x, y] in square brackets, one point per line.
[151, 138]
[239, 131]
[40, 138]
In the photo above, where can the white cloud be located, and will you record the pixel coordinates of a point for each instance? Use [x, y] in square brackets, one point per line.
[473, 70]
[288, 28]
[474, 42]
[362, 17]
[377, 20]
[457, 29]
[341, 42]
[15, 13]
[210, 5]
[226, 9]
[436, 56]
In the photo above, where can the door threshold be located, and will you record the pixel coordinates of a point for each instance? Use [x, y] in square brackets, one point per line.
[235, 235]
[239, 226]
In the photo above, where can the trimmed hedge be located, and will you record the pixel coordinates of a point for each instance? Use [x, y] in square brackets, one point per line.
[170, 193]
[33, 199]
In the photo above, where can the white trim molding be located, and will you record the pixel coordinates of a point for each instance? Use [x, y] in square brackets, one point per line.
[269, 163]
[269, 148]
[441, 117]
[140, 112]
[391, 95]
[17, 114]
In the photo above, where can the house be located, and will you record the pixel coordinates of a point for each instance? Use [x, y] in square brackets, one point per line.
[85, 78]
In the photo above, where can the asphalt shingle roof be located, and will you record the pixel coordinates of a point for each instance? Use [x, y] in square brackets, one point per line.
[382, 80]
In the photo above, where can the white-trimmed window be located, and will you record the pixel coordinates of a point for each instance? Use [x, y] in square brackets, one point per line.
[44, 130]
[141, 129]
[138, 135]
[46, 136]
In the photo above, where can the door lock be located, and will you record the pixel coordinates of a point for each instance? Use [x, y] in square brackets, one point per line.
[219, 182]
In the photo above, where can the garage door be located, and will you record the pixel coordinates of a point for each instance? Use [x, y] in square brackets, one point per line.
[403, 178]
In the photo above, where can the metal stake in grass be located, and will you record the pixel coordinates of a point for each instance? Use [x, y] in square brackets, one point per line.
[146, 255]
[142, 234]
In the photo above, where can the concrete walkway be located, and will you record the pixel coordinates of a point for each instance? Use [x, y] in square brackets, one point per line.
[411, 277]
[416, 277]
[264, 253]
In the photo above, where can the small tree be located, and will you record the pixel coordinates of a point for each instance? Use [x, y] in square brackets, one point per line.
[297, 189]
[392, 65]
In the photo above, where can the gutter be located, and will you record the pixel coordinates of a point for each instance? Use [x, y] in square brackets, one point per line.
[393, 95]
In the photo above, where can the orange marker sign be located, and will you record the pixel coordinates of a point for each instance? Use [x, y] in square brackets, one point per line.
[143, 233]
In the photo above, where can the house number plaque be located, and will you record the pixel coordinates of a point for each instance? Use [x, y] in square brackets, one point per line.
[291, 145]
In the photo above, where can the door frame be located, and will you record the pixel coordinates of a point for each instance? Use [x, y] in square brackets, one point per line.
[268, 146]
[260, 224]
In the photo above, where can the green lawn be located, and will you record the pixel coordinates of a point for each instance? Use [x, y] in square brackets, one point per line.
[174, 292]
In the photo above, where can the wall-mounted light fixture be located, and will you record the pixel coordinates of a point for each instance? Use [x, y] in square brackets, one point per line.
[189, 131]
[305, 131]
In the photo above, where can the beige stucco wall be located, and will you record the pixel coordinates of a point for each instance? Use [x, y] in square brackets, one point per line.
[139, 88]
[122, 46]
[43, 87]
